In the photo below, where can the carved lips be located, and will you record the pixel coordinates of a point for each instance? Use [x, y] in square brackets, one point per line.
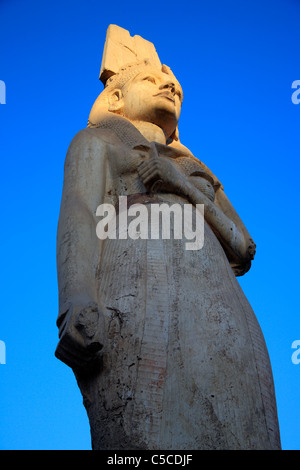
[166, 94]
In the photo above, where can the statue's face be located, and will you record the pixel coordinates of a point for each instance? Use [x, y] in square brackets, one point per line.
[155, 97]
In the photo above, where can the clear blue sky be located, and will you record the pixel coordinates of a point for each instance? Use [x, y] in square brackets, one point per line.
[236, 61]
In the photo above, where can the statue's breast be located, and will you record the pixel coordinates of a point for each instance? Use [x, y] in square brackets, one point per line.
[197, 176]
[123, 163]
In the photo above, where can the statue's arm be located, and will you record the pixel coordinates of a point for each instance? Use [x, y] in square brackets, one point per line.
[226, 224]
[241, 261]
[220, 215]
[80, 316]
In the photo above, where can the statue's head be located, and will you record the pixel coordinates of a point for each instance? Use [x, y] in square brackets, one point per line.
[137, 86]
[142, 92]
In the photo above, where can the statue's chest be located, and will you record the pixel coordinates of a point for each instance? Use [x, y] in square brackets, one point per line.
[123, 169]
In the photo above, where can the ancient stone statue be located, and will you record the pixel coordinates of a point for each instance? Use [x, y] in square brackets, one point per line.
[165, 347]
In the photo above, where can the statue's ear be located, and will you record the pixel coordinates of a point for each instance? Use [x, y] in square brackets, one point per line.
[115, 101]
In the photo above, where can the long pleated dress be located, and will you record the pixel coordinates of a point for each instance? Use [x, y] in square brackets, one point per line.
[184, 365]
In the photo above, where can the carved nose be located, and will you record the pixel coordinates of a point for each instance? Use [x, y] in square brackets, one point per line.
[170, 85]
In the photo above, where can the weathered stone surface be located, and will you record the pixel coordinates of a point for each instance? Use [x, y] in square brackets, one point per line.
[121, 49]
[165, 347]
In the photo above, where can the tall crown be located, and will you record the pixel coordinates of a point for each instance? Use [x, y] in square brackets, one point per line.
[121, 49]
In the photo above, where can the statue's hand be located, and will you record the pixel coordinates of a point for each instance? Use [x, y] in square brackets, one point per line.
[81, 335]
[160, 173]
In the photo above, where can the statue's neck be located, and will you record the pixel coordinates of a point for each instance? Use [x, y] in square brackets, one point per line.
[151, 132]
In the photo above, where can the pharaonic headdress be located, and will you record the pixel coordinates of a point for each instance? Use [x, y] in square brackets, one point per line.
[124, 56]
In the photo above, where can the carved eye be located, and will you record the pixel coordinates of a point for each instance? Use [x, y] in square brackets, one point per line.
[149, 78]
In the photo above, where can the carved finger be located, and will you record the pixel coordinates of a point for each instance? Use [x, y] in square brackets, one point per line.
[146, 172]
[153, 175]
[148, 165]
[143, 171]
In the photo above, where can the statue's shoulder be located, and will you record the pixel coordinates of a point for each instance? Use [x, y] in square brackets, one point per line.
[92, 136]
[86, 153]
[89, 147]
